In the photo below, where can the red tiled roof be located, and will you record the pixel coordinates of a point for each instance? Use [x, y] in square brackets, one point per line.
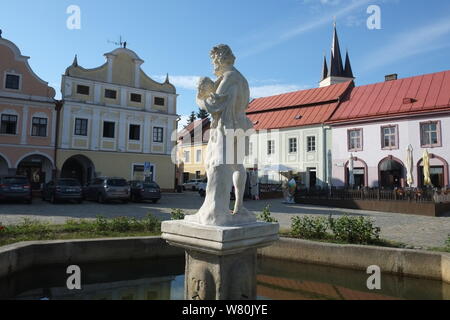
[292, 117]
[189, 130]
[408, 96]
[300, 98]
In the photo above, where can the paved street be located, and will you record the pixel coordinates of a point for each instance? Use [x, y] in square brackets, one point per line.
[410, 229]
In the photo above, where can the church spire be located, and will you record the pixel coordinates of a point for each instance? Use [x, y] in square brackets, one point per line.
[324, 68]
[75, 61]
[336, 69]
[348, 72]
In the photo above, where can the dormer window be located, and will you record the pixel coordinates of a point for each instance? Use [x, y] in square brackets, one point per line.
[160, 101]
[12, 81]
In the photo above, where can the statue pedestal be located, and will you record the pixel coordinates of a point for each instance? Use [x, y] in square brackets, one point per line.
[220, 261]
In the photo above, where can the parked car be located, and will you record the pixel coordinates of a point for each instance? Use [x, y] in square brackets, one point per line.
[108, 189]
[141, 190]
[192, 184]
[16, 188]
[62, 189]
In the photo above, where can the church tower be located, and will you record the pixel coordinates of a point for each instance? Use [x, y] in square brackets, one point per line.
[336, 72]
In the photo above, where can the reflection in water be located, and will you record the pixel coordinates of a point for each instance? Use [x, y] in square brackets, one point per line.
[284, 280]
[164, 279]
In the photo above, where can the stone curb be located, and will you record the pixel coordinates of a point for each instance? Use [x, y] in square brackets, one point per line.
[24, 255]
[415, 263]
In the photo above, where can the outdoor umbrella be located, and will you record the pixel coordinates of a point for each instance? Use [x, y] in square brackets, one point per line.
[426, 169]
[280, 168]
[351, 176]
[409, 166]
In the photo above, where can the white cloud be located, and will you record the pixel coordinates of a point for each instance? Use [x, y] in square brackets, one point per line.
[410, 43]
[183, 82]
[321, 20]
[260, 88]
[274, 89]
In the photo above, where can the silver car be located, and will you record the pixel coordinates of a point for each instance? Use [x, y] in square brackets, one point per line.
[108, 189]
[192, 184]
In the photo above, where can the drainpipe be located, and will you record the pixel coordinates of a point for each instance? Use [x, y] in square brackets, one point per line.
[58, 106]
[325, 156]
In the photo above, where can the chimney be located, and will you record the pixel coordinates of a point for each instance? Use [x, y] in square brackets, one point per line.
[391, 77]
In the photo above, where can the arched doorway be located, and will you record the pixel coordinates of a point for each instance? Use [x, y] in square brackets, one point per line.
[38, 168]
[78, 167]
[3, 167]
[391, 173]
[360, 173]
[438, 172]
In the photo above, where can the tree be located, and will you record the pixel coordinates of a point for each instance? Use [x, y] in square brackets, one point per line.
[192, 117]
[202, 114]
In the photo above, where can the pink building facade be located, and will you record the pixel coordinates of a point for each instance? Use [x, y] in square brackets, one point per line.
[28, 119]
[376, 124]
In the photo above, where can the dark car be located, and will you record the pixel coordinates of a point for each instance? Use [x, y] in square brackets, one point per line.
[107, 189]
[62, 189]
[15, 188]
[141, 190]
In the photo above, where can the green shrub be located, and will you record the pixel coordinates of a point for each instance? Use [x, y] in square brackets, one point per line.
[358, 230]
[265, 216]
[347, 229]
[151, 223]
[101, 224]
[73, 225]
[447, 243]
[177, 214]
[309, 228]
[120, 224]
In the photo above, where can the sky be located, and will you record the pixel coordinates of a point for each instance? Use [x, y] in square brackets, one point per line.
[279, 44]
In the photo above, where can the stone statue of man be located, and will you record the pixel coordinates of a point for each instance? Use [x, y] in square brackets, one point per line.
[226, 100]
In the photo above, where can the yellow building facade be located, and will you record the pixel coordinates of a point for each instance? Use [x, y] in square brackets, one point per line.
[116, 121]
[192, 144]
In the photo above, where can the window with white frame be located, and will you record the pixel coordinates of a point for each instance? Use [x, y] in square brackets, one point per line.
[311, 144]
[187, 157]
[430, 134]
[81, 127]
[198, 156]
[355, 140]
[389, 137]
[293, 145]
[8, 124]
[158, 134]
[39, 127]
[271, 147]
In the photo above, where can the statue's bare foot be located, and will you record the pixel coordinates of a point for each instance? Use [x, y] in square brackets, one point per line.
[241, 211]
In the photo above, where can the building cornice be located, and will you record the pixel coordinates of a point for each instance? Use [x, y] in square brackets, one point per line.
[119, 109]
[383, 118]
